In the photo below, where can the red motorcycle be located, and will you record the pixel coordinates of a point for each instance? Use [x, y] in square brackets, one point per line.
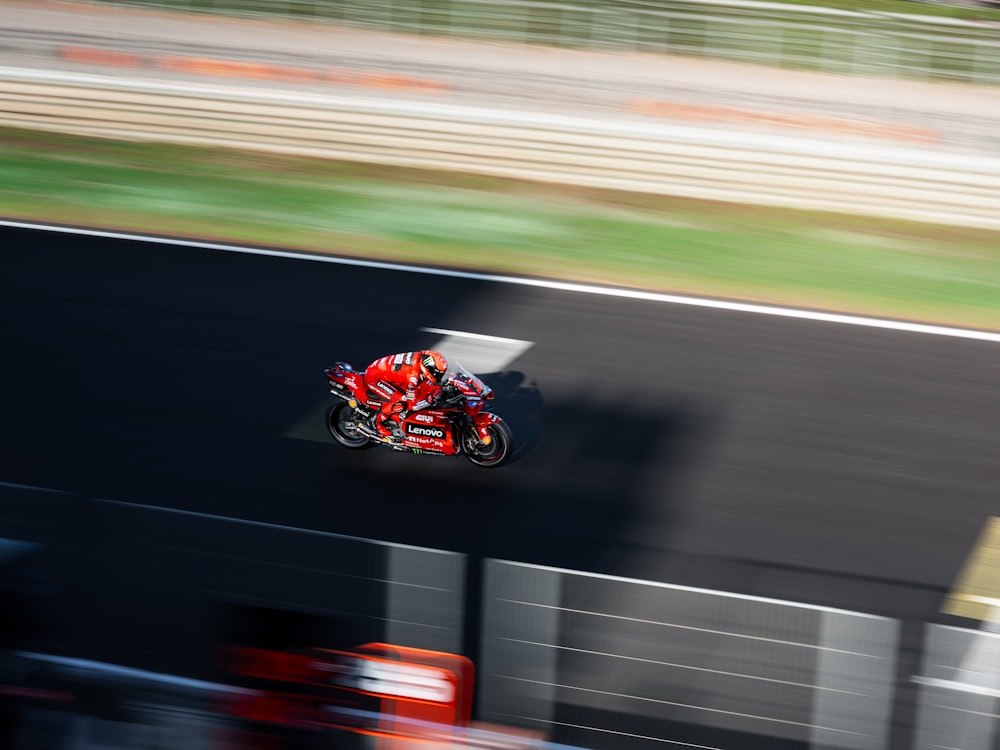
[457, 423]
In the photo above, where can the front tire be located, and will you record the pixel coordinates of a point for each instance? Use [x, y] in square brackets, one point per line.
[342, 422]
[488, 456]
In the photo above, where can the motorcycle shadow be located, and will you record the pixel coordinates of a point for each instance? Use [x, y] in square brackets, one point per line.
[519, 403]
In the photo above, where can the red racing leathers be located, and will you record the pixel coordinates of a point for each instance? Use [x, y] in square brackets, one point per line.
[401, 382]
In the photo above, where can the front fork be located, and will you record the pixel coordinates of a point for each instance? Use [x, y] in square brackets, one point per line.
[481, 424]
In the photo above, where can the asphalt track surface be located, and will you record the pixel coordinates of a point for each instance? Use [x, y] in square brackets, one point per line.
[807, 461]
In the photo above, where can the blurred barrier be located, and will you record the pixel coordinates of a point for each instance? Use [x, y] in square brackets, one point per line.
[644, 157]
[798, 120]
[411, 596]
[592, 660]
[167, 712]
[247, 69]
[777, 34]
[185, 580]
[959, 688]
[614, 663]
[867, 125]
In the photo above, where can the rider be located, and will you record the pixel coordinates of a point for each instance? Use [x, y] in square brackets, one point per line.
[405, 383]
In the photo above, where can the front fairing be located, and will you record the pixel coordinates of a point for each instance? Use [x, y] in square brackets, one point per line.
[475, 391]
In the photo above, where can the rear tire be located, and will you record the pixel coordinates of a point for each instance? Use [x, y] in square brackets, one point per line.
[342, 421]
[488, 456]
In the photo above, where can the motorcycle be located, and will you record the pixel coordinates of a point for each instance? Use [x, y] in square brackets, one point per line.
[457, 423]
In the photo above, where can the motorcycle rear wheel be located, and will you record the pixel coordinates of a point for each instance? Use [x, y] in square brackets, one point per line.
[488, 456]
[341, 421]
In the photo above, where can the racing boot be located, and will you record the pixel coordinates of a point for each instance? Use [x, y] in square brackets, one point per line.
[391, 429]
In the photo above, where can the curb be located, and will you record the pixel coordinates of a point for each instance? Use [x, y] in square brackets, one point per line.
[222, 68]
[798, 120]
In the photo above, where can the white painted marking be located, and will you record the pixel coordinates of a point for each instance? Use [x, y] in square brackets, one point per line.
[993, 601]
[477, 352]
[481, 336]
[565, 286]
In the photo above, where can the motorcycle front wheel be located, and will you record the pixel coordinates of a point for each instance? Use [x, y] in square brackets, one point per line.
[342, 423]
[492, 455]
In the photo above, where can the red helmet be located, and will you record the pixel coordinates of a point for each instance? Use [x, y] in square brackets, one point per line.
[434, 366]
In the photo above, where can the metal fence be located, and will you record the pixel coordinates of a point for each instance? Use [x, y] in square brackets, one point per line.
[959, 689]
[591, 660]
[607, 662]
[836, 41]
[170, 576]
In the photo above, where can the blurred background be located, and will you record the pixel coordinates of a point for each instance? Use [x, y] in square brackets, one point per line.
[734, 532]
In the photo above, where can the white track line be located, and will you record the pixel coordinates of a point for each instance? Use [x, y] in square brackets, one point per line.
[784, 312]
[477, 352]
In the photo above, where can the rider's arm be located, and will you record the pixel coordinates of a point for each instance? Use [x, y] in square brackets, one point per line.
[428, 394]
[411, 388]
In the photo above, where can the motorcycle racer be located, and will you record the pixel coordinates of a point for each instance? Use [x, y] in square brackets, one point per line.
[405, 383]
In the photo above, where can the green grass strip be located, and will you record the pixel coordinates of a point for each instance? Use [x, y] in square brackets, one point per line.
[828, 261]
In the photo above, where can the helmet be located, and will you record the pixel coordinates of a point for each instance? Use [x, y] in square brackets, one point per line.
[434, 366]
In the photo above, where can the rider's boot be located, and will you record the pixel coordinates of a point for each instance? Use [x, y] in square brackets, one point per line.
[391, 429]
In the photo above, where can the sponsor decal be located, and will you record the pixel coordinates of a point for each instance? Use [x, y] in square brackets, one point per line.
[351, 382]
[409, 358]
[384, 388]
[423, 418]
[397, 362]
[419, 429]
[413, 681]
